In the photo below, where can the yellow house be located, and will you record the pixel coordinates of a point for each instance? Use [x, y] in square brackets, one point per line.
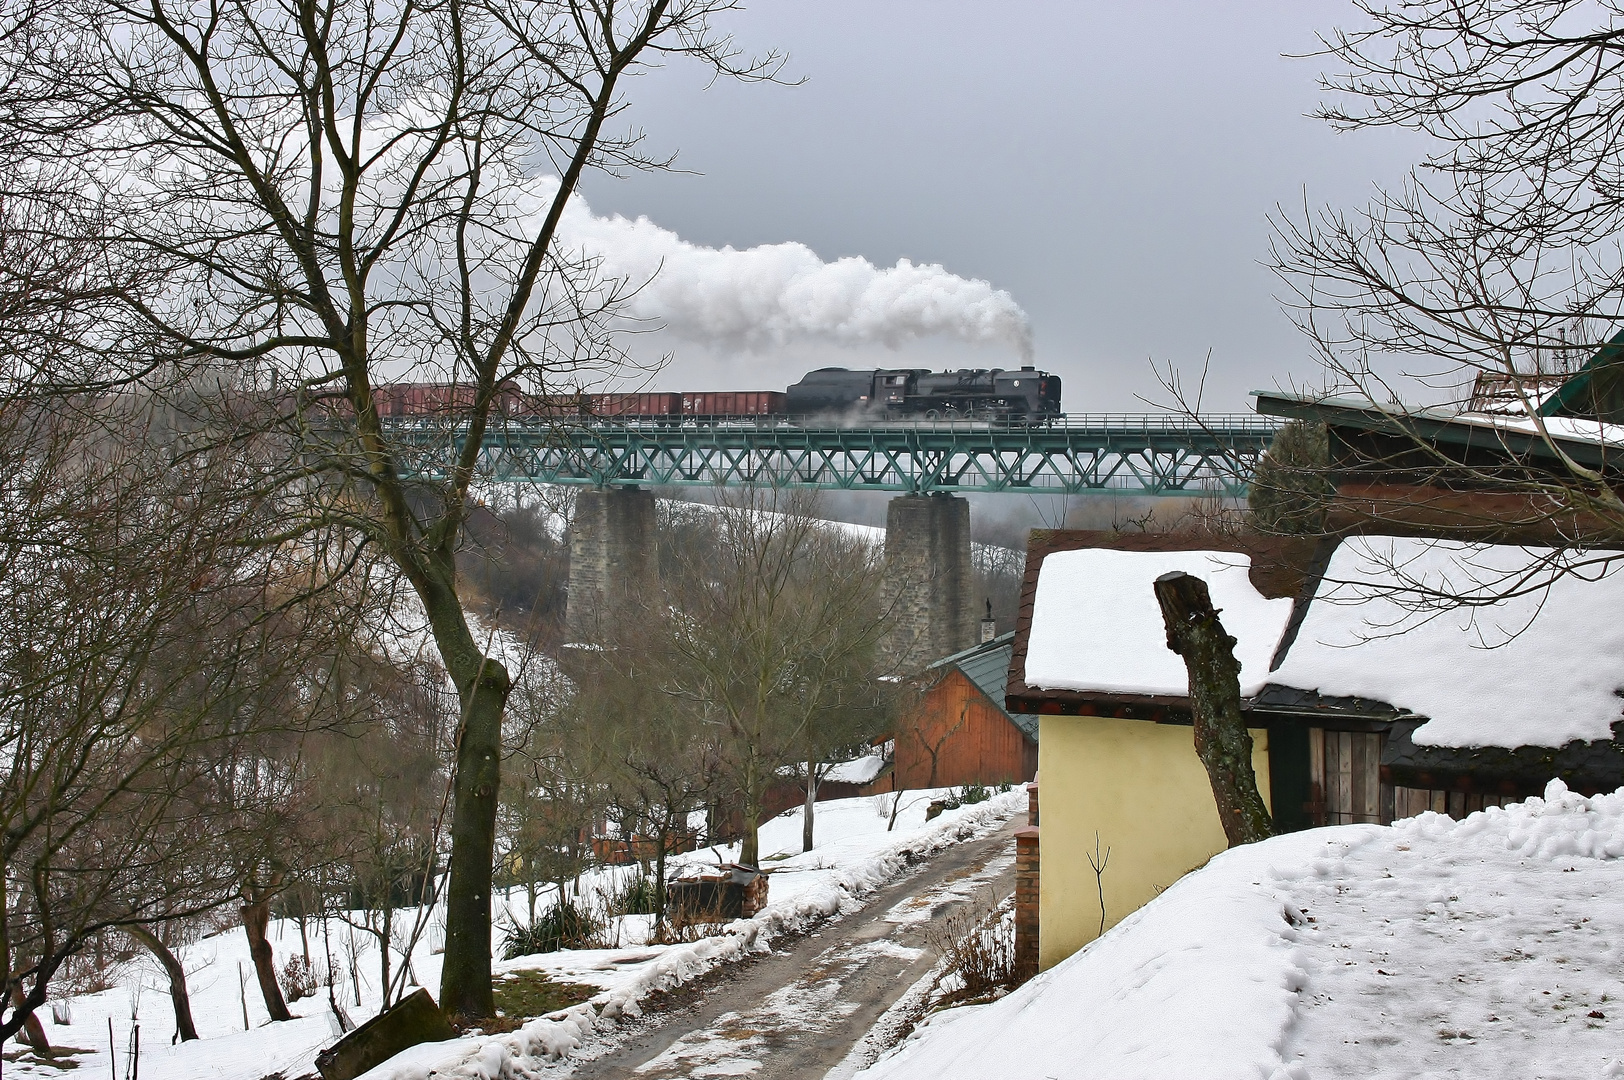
[1125, 808]
[1124, 805]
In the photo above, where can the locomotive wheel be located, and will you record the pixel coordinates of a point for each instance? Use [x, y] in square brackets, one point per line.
[932, 414]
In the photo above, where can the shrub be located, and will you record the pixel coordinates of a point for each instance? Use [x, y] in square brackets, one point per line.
[298, 979]
[970, 794]
[637, 895]
[565, 925]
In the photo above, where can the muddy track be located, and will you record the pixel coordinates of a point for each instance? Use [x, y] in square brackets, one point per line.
[798, 1013]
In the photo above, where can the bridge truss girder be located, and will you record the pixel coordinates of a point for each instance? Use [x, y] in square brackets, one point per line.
[1117, 455]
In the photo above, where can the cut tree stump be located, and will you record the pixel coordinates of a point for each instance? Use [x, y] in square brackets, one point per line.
[1221, 740]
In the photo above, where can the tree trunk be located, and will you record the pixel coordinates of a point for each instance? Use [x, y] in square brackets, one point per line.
[1221, 739]
[177, 980]
[255, 918]
[750, 846]
[383, 941]
[811, 801]
[33, 1032]
[659, 877]
[465, 978]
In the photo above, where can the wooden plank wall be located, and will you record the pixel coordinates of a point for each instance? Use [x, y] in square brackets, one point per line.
[986, 748]
[1344, 770]
[1345, 776]
[1457, 804]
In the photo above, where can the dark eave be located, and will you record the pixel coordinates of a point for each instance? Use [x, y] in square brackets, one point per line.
[1428, 426]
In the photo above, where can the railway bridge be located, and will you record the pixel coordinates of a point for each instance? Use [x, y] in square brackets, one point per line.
[928, 464]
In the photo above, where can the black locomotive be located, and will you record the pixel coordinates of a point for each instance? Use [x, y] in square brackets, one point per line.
[974, 394]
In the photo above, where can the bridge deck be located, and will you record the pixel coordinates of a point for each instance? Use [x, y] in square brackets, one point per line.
[1154, 454]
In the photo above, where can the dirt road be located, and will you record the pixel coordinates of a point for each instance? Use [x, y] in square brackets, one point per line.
[795, 1015]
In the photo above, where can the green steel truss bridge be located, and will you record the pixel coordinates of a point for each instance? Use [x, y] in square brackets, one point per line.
[1123, 454]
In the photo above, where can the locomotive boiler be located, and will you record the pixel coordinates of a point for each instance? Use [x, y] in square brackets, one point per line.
[976, 393]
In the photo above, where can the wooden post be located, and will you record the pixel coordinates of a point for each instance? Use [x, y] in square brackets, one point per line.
[1221, 739]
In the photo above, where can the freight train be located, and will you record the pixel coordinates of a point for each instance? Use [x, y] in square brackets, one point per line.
[1023, 396]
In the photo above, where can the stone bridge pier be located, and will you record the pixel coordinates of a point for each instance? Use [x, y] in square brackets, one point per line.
[612, 556]
[928, 583]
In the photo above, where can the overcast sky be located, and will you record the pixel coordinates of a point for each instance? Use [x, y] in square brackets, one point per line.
[1110, 165]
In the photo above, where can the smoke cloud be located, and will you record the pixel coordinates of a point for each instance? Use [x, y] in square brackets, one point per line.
[777, 294]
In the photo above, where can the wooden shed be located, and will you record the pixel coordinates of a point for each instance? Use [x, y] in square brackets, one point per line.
[961, 733]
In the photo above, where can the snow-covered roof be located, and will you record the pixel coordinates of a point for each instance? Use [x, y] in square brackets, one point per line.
[1447, 424]
[1096, 624]
[1541, 669]
[856, 771]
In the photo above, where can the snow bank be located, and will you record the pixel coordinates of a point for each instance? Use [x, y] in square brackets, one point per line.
[1537, 670]
[1096, 624]
[1198, 983]
[497, 1057]
[1487, 948]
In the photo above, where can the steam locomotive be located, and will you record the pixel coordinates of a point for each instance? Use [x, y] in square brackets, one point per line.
[1027, 395]
[996, 394]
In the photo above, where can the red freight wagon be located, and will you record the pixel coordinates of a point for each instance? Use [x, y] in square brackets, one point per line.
[733, 403]
[645, 404]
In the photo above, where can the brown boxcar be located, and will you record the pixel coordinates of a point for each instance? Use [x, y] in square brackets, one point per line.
[733, 403]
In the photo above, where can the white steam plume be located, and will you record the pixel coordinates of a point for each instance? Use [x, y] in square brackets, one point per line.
[775, 294]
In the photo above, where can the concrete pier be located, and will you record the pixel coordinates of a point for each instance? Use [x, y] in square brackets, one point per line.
[928, 580]
[612, 556]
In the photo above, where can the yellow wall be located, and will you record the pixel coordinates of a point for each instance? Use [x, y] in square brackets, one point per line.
[1140, 786]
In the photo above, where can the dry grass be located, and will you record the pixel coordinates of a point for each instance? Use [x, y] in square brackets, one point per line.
[977, 947]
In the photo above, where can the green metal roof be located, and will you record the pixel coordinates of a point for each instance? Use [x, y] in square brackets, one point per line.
[1581, 395]
[987, 665]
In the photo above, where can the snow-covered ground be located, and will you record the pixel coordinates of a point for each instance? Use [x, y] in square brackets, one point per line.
[854, 854]
[1486, 948]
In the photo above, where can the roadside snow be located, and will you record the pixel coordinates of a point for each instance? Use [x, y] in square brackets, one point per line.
[1486, 948]
[1381, 626]
[1096, 624]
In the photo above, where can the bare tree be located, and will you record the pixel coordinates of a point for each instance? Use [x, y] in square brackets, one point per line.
[329, 195]
[121, 600]
[1496, 259]
[774, 628]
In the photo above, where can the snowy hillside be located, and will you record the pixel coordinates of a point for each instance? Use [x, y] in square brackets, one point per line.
[1484, 948]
